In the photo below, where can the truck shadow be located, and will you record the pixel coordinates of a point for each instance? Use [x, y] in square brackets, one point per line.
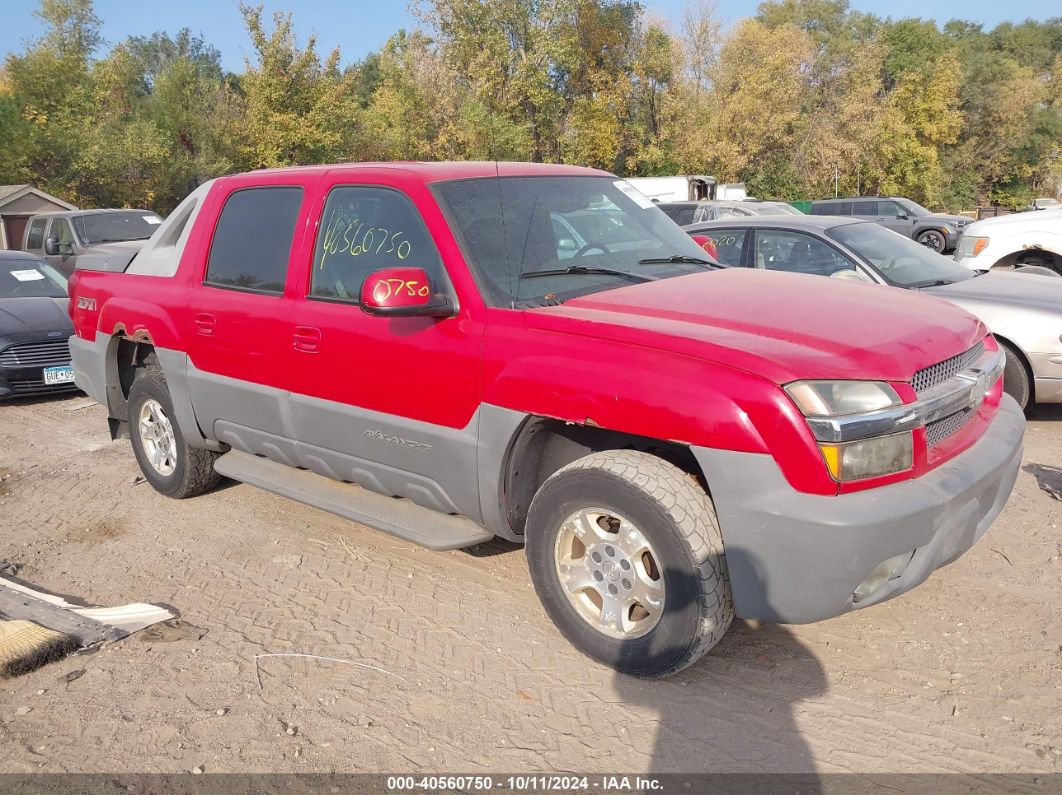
[735, 710]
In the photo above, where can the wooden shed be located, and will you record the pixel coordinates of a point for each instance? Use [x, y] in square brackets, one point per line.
[17, 204]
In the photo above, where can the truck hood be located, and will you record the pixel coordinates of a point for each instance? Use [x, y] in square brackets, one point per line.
[19, 315]
[945, 218]
[110, 257]
[1038, 221]
[1016, 290]
[118, 247]
[781, 326]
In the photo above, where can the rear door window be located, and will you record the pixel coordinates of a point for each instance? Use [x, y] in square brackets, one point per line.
[365, 229]
[252, 241]
[865, 208]
[35, 237]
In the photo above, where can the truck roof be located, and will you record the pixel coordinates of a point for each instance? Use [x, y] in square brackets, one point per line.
[447, 170]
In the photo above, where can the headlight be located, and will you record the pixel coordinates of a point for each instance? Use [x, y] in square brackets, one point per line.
[869, 458]
[831, 398]
[971, 246]
[827, 403]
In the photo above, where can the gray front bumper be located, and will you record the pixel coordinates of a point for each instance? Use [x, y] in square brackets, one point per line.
[797, 558]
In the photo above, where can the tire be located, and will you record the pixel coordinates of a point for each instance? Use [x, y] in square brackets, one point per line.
[1034, 259]
[932, 239]
[674, 518]
[187, 471]
[1038, 270]
[1016, 381]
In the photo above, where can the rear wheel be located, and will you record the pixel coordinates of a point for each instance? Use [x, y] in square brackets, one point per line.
[626, 556]
[1016, 382]
[169, 465]
[932, 239]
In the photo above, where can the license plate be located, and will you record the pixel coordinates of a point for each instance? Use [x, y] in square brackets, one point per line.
[58, 375]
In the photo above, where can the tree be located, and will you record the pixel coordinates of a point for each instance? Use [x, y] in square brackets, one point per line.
[296, 109]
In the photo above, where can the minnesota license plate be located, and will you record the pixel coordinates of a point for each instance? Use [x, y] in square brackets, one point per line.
[58, 375]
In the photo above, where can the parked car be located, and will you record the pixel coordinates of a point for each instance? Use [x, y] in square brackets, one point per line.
[683, 213]
[62, 237]
[34, 328]
[348, 335]
[1020, 240]
[1023, 312]
[937, 231]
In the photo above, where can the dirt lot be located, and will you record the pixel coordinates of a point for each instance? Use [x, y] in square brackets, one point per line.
[962, 674]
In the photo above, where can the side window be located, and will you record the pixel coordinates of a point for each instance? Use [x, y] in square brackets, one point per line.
[728, 243]
[60, 229]
[798, 253]
[252, 241]
[35, 237]
[889, 209]
[363, 230]
[864, 208]
[683, 215]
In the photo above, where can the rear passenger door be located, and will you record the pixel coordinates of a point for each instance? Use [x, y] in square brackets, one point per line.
[238, 312]
[389, 403]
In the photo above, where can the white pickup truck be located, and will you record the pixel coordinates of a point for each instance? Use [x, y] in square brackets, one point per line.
[1022, 240]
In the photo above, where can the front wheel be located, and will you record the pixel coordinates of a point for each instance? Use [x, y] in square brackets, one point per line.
[169, 465]
[626, 556]
[932, 239]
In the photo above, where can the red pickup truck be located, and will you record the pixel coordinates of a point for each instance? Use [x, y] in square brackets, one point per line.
[454, 351]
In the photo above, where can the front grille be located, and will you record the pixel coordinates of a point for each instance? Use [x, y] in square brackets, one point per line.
[36, 386]
[939, 430]
[53, 353]
[929, 377]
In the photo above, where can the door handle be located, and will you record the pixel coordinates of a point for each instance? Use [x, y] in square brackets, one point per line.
[307, 338]
[204, 323]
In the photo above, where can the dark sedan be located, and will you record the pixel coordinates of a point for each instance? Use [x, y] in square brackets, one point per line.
[1023, 311]
[34, 328]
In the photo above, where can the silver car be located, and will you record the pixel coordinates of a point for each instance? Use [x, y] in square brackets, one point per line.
[1023, 311]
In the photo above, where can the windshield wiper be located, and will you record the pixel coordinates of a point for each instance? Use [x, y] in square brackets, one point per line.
[930, 283]
[581, 270]
[678, 259]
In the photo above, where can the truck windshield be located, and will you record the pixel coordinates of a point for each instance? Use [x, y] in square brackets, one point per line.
[115, 227]
[21, 278]
[903, 262]
[577, 234]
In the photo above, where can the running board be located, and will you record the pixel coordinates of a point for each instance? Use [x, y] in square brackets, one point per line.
[399, 517]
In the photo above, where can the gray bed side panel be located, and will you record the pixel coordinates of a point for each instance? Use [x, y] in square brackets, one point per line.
[498, 429]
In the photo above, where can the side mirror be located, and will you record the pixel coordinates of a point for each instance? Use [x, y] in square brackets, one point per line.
[903, 216]
[403, 292]
[51, 246]
[707, 244]
[566, 244]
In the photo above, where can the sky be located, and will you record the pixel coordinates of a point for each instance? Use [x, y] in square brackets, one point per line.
[358, 27]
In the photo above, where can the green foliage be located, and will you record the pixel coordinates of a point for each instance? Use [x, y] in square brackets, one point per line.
[804, 96]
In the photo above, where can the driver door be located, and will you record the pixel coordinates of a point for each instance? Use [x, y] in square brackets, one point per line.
[389, 403]
[893, 216]
[63, 261]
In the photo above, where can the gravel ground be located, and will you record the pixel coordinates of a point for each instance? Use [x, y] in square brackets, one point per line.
[451, 665]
